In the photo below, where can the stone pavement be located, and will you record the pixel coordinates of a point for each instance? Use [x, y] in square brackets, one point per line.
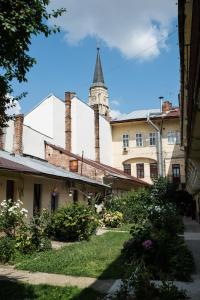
[10, 273]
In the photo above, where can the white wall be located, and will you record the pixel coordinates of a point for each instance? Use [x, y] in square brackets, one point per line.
[105, 141]
[82, 129]
[9, 134]
[58, 122]
[41, 117]
[33, 142]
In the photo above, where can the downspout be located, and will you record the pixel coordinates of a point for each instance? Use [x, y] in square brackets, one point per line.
[159, 147]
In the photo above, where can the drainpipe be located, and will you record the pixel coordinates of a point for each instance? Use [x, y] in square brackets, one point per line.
[159, 147]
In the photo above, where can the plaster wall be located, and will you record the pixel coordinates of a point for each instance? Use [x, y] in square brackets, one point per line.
[146, 154]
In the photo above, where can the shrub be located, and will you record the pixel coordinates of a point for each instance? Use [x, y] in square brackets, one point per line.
[74, 222]
[112, 219]
[131, 205]
[139, 287]
[35, 236]
[7, 248]
[11, 216]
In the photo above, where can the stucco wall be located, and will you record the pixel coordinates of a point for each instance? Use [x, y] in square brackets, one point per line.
[105, 141]
[41, 117]
[26, 183]
[146, 154]
[9, 132]
[82, 129]
[33, 142]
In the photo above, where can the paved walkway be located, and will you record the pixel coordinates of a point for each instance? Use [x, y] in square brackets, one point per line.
[9, 272]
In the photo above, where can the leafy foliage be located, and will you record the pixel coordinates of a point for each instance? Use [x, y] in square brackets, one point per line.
[112, 219]
[19, 21]
[7, 248]
[74, 222]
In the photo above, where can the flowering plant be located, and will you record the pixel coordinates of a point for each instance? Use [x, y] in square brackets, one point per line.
[112, 219]
[12, 215]
[147, 244]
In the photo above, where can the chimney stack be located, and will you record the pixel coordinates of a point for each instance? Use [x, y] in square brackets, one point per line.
[68, 118]
[96, 128]
[18, 134]
[166, 106]
[1, 139]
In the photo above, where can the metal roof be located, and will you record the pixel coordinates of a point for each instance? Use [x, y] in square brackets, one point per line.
[7, 164]
[98, 79]
[45, 168]
[138, 114]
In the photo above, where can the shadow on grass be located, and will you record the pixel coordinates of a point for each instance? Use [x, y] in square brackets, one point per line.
[13, 290]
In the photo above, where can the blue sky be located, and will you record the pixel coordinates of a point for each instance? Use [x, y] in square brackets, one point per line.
[135, 76]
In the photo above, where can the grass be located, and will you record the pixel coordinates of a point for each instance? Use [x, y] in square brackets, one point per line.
[98, 258]
[10, 290]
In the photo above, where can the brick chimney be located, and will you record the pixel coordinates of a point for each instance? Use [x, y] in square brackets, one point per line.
[1, 139]
[68, 119]
[166, 106]
[96, 132]
[18, 134]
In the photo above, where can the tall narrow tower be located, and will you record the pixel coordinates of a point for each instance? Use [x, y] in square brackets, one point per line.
[98, 94]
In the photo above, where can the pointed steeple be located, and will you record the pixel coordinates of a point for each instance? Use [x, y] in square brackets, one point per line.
[98, 79]
[98, 93]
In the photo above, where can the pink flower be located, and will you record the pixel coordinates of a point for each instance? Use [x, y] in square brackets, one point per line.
[147, 244]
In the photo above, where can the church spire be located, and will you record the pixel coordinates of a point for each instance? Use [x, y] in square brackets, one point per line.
[98, 94]
[98, 79]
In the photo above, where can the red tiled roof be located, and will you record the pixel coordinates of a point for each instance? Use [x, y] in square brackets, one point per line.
[99, 166]
[6, 164]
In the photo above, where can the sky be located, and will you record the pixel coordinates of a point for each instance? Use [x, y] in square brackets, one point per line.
[138, 42]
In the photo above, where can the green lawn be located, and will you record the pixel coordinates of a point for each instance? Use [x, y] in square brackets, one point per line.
[99, 258]
[20, 291]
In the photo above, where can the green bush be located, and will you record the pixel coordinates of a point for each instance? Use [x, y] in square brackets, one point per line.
[34, 236]
[112, 219]
[74, 222]
[131, 205]
[7, 248]
[140, 287]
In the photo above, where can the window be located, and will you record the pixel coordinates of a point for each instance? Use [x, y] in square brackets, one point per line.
[153, 170]
[176, 173]
[140, 170]
[127, 169]
[37, 198]
[139, 140]
[10, 190]
[73, 165]
[152, 138]
[125, 140]
[173, 137]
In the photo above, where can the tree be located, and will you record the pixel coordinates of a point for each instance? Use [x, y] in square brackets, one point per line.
[19, 21]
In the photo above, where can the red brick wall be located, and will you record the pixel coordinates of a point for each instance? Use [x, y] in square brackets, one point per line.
[61, 159]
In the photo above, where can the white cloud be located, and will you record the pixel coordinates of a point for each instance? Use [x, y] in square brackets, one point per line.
[115, 102]
[138, 28]
[115, 113]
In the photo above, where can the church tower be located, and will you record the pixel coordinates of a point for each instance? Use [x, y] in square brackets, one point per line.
[98, 94]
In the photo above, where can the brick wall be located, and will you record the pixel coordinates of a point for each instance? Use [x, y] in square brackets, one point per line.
[60, 159]
[18, 134]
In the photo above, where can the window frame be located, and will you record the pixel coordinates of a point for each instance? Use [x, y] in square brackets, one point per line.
[140, 171]
[125, 140]
[153, 174]
[139, 139]
[127, 168]
[152, 137]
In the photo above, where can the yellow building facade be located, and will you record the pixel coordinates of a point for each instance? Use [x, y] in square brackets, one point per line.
[135, 144]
